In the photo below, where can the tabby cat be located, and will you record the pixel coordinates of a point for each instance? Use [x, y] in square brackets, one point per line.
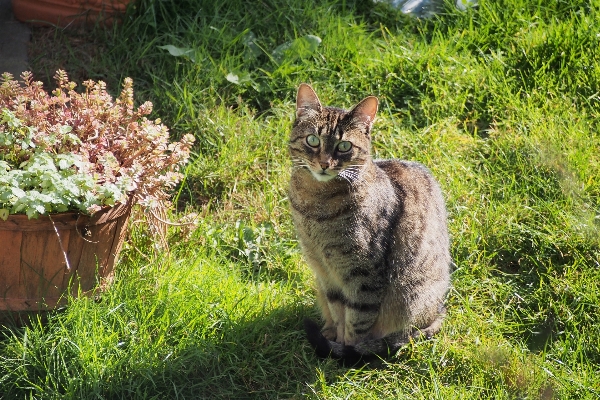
[373, 232]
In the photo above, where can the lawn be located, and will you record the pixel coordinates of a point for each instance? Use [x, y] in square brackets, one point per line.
[502, 103]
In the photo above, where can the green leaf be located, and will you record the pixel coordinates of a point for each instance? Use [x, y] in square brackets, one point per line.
[180, 51]
[239, 78]
[64, 161]
[251, 50]
[301, 47]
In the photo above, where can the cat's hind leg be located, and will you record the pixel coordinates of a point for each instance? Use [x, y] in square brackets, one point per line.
[433, 328]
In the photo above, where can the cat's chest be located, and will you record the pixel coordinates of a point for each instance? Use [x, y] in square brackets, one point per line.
[349, 221]
[315, 202]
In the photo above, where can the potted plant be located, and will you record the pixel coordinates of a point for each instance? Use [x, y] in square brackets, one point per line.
[67, 12]
[71, 167]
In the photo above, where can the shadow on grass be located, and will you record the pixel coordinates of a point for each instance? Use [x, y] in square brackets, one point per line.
[548, 284]
[265, 357]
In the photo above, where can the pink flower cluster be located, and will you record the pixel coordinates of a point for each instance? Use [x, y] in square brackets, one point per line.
[115, 141]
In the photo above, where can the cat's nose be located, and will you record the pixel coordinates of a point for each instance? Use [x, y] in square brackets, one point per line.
[324, 165]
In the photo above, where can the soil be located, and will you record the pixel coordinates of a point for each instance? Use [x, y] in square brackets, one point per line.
[71, 49]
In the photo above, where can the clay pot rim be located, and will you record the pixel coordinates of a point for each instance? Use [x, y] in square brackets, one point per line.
[63, 220]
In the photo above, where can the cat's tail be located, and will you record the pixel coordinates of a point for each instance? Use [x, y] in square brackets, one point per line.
[365, 351]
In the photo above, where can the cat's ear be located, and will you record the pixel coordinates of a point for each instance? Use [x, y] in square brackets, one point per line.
[307, 102]
[364, 112]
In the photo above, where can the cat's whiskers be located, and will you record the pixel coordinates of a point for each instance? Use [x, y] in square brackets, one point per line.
[299, 167]
[299, 163]
[350, 173]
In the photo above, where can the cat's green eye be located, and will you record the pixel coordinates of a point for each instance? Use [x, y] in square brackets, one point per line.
[312, 140]
[344, 146]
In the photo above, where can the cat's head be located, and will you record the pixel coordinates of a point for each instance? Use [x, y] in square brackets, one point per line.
[329, 141]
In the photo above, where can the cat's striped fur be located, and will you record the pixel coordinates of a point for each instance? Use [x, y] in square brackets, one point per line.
[373, 232]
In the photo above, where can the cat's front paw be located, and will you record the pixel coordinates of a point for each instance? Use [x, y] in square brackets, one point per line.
[329, 332]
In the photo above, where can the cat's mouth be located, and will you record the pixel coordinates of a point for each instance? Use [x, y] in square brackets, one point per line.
[324, 175]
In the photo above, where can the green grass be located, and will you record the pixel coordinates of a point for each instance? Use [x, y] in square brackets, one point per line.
[501, 103]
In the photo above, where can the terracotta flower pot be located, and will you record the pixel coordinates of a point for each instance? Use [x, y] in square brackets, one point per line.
[67, 12]
[45, 260]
